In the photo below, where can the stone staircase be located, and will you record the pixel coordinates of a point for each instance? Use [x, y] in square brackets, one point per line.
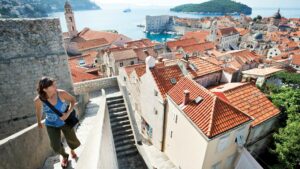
[127, 153]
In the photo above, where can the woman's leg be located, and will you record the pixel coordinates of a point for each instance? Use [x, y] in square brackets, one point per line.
[55, 140]
[71, 137]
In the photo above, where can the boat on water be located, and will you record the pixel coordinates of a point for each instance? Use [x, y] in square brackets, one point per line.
[127, 10]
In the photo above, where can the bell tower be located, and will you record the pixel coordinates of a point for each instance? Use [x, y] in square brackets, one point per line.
[70, 19]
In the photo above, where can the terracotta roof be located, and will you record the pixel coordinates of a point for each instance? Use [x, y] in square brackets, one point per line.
[142, 43]
[213, 60]
[201, 47]
[173, 45]
[296, 60]
[163, 75]
[89, 34]
[249, 99]
[123, 54]
[203, 67]
[242, 31]
[245, 56]
[200, 36]
[130, 68]
[92, 44]
[227, 31]
[86, 72]
[140, 71]
[212, 115]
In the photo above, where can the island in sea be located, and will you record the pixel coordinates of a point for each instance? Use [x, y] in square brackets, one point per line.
[215, 7]
[40, 8]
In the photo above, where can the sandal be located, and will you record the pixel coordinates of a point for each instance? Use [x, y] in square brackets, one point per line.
[74, 155]
[64, 163]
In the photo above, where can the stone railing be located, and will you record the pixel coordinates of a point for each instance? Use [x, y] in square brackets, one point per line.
[30, 147]
[99, 151]
[92, 85]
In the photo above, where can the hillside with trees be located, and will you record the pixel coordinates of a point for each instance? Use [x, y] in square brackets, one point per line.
[215, 7]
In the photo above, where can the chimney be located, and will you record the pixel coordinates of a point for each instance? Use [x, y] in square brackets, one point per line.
[186, 97]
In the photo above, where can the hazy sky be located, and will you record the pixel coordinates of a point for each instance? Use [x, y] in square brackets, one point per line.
[251, 3]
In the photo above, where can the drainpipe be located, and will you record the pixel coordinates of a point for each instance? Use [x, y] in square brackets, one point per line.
[164, 126]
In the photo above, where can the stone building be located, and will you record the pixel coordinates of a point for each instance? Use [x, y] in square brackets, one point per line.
[159, 24]
[70, 19]
[30, 49]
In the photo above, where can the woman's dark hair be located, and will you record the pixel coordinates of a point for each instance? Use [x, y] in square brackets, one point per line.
[44, 83]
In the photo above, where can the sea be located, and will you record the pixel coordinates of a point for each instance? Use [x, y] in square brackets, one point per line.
[126, 22]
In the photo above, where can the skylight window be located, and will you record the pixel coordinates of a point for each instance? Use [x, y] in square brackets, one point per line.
[193, 67]
[198, 99]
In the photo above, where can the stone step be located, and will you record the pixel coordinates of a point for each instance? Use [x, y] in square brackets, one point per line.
[111, 102]
[127, 153]
[125, 148]
[114, 98]
[124, 142]
[119, 123]
[118, 114]
[123, 132]
[116, 105]
[118, 118]
[121, 127]
[118, 109]
[120, 138]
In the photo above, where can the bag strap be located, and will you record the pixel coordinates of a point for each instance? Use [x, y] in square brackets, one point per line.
[51, 107]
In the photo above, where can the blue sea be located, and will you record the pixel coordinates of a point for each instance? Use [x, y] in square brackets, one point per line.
[126, 23]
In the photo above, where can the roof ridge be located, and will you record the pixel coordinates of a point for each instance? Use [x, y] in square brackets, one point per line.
[211, 121]
[242, 84]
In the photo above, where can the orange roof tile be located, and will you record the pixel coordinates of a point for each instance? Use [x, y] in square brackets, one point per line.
[200, 36]
[163, 75]
[130, 68]
[212, 115]
[123, 54]
[173, 45]
[92, 44]
[250, 100]
[86, 72]
[201, 47]
[227, 31]
[296, 60]
[89, 34]
[203, 67]
[142, 43]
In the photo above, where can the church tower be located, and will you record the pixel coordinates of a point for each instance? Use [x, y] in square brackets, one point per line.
[213, 31]
[70, 19]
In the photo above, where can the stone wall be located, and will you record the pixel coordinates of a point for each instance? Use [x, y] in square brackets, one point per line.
[29, 49]
[99, 151]
[92, 85]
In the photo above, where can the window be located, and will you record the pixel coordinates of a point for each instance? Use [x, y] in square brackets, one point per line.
[175, 117]
[81, 62]
[155, 111]
[217, 165]
[132, 62]
[223, 143]
[155, 93]
[70, 19]
[171, 134]
[121, 64]
[124, 79]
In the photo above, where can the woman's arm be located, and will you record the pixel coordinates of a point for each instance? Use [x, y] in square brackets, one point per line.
[68, 97]
[38, 113]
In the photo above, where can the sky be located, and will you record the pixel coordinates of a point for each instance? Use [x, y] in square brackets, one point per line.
[171, 3]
